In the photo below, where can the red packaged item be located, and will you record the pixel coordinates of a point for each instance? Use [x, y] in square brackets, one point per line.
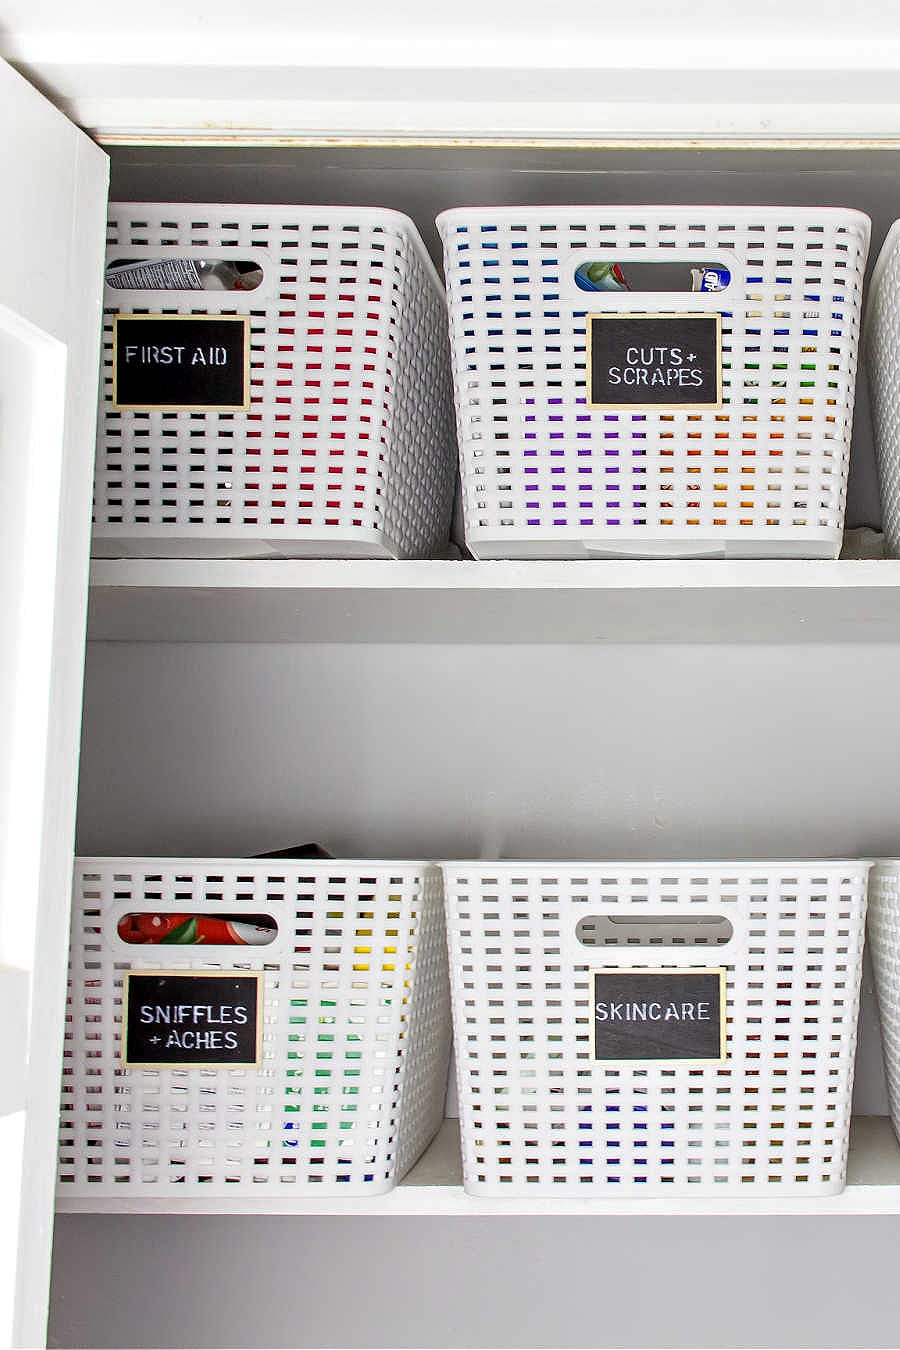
[214, 930]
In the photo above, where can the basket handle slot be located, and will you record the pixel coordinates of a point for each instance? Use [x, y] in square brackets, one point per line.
[679, 931]
[196, 929]
[181, 273]
[631, 272]
[642, 280]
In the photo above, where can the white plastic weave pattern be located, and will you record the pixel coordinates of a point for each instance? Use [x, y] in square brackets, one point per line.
[882, 357]
[546, 475]
[355, 1044]
[883, 925]
[540, 1115]
[348, 447]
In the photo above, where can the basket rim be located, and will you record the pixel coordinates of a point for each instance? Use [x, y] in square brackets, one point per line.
[680, 211]
[300, 213]
[617, 864]
[260, 864]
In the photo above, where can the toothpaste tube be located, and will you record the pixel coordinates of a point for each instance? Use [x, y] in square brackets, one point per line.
[183, 274]
[709, 278]
[601, 276]
[155, 274]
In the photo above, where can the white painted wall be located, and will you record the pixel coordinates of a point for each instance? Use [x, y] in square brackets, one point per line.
[815, 34]
[54, 183]
[814, 68]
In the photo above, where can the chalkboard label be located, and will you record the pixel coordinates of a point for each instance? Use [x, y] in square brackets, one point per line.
[655, 361]
[659, 1014]
[191, 1019]
[181, 361]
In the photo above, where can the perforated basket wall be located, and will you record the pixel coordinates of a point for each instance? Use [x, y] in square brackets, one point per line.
[348, 448]
[882, 353]
[884, 944]
[546, 475]
[541, 1115]
[355, 1043]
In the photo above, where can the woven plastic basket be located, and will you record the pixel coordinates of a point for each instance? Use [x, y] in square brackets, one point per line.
[884, 944]
[882, 357]
[554, 467]
[355, 1033]
[546, 1109]
[347, 448]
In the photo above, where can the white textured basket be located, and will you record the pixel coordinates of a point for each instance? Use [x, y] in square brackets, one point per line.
[540, 1115]
[348, 448]
[882, 358]
[884, 944]
[356, 1033]
[765, 474]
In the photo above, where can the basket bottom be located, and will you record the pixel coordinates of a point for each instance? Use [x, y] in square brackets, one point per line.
[603, 1192]
[157, 543]
[538, 544]
[244, 1197]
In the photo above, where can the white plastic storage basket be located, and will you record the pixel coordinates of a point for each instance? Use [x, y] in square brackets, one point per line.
[884, 945]
[354, 1027]
[565, 455]
[554, 1100]
[882, 354]
[345, 447]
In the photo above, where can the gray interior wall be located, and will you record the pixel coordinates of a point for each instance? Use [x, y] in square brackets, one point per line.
[692, 1283]
[644, 751]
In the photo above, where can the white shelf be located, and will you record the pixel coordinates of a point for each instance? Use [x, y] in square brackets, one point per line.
[434, 1187]
[494, 602]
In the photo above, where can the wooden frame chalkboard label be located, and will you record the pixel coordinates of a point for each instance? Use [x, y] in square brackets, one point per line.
[192, 1019]
[654, 362]
[181, 362]
[658, 1016]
